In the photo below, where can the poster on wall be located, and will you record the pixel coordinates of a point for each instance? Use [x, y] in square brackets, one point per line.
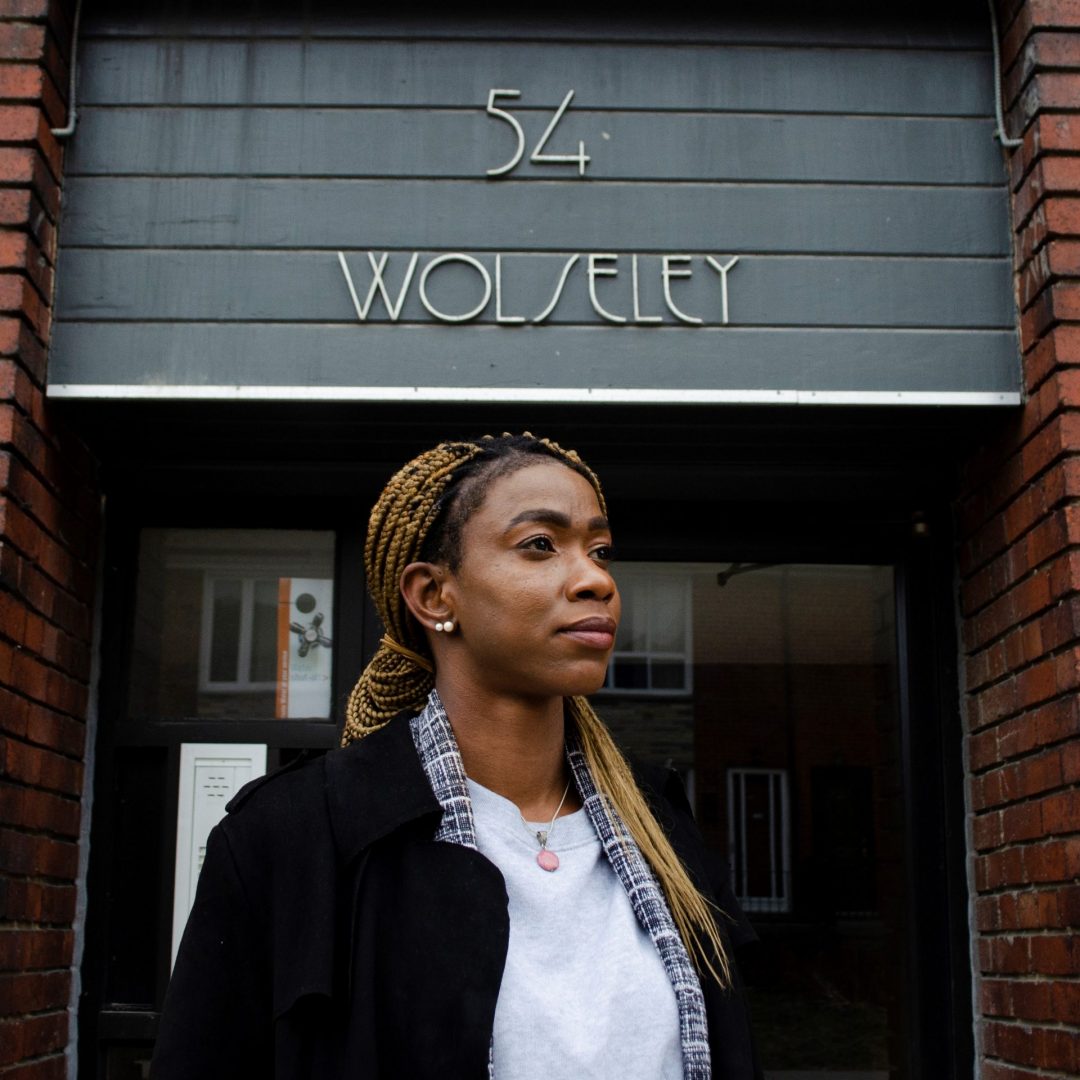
[210, 775]
[304, 643]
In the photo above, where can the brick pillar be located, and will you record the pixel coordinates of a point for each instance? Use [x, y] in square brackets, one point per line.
[1019, 526]
[48, 533]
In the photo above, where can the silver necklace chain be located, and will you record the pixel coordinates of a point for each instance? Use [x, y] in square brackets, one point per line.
[542, 835]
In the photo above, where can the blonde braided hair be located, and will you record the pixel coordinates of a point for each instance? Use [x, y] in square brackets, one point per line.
[414, 520]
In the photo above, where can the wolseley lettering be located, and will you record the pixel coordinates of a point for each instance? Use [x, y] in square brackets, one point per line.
[492, 271]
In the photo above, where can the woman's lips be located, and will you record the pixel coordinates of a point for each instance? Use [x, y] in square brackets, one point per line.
[598, 632]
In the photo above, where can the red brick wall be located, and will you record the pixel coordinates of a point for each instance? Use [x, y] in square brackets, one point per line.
[1019, 521]
[48, 533]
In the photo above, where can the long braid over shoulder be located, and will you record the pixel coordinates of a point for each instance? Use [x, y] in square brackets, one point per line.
[420, 517]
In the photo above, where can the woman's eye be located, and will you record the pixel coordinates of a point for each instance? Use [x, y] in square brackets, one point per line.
[604, 554]
[539, 543]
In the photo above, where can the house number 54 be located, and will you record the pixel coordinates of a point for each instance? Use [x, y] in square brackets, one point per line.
[538, 157]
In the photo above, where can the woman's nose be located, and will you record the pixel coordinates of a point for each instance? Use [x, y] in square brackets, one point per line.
[591, 580]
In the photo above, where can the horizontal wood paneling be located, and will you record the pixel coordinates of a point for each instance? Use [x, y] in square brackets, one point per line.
[464, 143]
[139, 285]
[316, 71]
[822, 26]
[288, 354]
[453, 215]
[221, 164]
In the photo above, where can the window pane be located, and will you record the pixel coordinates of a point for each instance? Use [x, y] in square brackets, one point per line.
[224, 630]
[667, 675]
[233, 623]
[667, 614]
[652, 647]
[631, 674]
[633, 627]
[264, 630]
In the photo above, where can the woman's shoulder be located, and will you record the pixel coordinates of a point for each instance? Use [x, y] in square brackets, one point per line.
[347, 796]
[305, 777]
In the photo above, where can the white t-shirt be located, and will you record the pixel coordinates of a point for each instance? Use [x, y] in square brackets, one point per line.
[584, 995]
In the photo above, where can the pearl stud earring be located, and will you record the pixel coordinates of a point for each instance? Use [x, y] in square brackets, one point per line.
[445, 627]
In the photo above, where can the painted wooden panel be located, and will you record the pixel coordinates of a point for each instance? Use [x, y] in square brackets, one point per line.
[555, 215]
[464, 143]
[231, 177]
[362, 361]
[309, 287]
[317, 71]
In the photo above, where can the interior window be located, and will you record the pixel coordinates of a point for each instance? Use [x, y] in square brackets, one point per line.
[233, 623]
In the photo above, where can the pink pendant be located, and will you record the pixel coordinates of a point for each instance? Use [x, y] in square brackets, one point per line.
[548, 860]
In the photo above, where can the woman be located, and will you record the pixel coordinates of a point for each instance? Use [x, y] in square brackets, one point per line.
[477, 884]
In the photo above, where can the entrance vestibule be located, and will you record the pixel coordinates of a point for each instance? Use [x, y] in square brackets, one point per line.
[783, 645]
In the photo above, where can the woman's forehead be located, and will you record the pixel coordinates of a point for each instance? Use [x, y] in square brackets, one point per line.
[545, 485]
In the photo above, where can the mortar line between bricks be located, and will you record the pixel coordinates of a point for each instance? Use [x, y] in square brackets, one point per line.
[1020, 845]
[1019, 801]
[22, 740]
[5, 537]
[1027, 933]
[35, 1014]
[66, 589]
[22, 1063]
[1025, 755]
[1029, 482]
[1015, 1021]
[1022, 755]
[29, 928]
[49, 531]
[1033, 845]
[32, 830]
[1072, 644]
[1029, 978]
[1027, 620]
[1067, 549]
[38, 746]
[1016, 1067]
[26, 505]
[1017, 449]
[50, 664]
[9, 448]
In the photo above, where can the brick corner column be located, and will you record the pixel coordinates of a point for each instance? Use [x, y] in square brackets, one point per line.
[1018, 558]
[48, 535]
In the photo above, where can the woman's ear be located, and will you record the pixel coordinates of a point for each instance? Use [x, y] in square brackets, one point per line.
[422, 589]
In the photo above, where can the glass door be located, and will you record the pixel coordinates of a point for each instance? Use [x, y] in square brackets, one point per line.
[773, 688]
[228, 671]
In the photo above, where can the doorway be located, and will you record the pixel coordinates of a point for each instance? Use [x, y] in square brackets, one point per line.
[774, 688]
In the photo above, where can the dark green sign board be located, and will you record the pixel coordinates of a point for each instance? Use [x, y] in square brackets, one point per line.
[264, 210]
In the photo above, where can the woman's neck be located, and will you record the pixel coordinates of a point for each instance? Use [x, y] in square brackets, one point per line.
[514, 747]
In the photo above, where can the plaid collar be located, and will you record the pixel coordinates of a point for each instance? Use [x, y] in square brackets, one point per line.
[439, 755]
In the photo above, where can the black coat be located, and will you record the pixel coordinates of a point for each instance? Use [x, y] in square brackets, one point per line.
[332, 937]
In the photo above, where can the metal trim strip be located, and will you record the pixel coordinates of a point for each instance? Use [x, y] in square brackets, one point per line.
[554, 395]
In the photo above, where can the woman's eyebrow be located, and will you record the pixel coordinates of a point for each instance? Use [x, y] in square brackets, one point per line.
[556, 518]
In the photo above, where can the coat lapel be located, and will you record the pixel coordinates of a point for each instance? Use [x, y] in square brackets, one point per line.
[374, 786]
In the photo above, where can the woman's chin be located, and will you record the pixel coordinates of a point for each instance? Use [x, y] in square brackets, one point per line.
[587, 683]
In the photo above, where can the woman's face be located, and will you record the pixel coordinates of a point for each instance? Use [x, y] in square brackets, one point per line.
[533, 596]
